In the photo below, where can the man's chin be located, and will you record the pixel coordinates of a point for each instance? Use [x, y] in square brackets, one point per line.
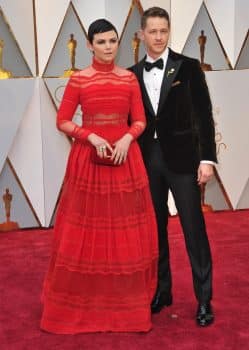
[160, 47]
[158, 51]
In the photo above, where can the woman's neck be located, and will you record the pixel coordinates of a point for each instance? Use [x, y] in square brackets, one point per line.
[102, 66]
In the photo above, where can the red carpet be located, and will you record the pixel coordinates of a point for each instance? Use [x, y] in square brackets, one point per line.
[23, 262]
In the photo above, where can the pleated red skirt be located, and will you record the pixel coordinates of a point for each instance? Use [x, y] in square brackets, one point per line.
[103, 269]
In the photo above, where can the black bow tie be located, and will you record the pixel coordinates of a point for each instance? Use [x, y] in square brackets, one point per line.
[148, 65]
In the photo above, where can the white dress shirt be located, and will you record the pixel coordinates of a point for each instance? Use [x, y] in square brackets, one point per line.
[153, 82]
[153, 79]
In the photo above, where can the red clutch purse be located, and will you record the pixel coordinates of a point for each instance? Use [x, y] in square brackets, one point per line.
[103, 161]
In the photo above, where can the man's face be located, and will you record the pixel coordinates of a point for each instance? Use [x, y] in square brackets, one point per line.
[155, 36]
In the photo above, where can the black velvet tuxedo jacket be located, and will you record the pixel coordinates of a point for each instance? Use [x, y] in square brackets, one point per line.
[184, 122]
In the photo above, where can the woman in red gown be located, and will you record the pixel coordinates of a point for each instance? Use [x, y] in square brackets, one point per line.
[103, 268]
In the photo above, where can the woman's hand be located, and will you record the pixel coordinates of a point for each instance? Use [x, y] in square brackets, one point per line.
[121, 148]
[100, 144]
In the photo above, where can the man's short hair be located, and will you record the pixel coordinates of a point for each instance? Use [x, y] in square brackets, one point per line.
[154, 12]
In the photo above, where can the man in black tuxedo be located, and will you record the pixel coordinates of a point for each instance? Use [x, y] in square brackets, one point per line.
[179, 152]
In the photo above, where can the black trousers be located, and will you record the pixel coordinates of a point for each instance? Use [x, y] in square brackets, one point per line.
[186, 193]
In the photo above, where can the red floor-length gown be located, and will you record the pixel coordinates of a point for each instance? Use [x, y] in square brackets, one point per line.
[103, 269]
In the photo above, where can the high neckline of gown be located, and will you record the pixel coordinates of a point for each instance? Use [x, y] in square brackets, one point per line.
[102, 67]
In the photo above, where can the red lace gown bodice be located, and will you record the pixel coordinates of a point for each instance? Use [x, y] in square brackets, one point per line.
[107, 94]
[103, 268]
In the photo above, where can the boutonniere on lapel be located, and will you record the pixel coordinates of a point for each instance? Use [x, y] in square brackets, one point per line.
[171, 71]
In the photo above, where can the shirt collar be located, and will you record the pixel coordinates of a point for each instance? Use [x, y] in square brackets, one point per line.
[164, 56]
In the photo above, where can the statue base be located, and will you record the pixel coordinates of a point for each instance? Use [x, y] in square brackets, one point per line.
[5, 74]
[206, 208]
[206, 67]
[67, 73]
[9, 226]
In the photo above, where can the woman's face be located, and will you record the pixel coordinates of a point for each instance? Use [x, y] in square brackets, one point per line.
[104, 46]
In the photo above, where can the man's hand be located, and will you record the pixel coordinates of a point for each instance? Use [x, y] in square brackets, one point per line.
[205, 173]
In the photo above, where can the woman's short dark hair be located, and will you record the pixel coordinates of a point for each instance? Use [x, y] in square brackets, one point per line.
[100, 26]
[154, 12]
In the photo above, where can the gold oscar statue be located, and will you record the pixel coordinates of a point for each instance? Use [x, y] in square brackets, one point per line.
[4, 74]
[205, 207]
[135, 43]
[202, 39]
[8, 225]
[71, 45]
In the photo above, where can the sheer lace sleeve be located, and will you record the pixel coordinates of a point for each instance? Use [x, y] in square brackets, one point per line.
[70, 101]
[137, 115]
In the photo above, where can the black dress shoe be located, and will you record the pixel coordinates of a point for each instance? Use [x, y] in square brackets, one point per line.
[204, 314]
[159, 301]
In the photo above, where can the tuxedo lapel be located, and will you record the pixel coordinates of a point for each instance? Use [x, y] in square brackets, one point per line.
[171, 69]
[146, 98]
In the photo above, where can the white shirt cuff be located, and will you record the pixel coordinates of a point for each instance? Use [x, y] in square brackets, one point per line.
[208, 162]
